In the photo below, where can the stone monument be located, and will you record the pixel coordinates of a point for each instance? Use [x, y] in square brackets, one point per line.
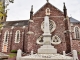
[47, 51]
[47, 48]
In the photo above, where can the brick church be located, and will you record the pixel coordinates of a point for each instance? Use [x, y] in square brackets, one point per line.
[24, 34]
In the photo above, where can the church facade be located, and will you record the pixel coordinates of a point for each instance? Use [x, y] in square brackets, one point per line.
[24, 34]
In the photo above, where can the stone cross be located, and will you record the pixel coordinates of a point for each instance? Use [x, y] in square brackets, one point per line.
[47, 1]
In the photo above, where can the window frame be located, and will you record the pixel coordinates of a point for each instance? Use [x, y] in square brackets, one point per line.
[6, 36]
[76, 34]
[17, 38]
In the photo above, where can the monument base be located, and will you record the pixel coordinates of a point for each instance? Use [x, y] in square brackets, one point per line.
[46, 57]
[47, 49]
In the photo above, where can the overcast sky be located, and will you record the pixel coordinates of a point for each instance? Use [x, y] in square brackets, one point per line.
[20, 9]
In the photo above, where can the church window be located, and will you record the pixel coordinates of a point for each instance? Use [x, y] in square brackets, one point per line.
[77, 33]
[47, 11]
[40, 40]
[56, 40]
[5, 41]
[17, 36]
[52, 25]
[6, 36]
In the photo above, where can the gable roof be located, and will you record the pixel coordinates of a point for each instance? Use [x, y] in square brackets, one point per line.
[72, 20]
[48, 4]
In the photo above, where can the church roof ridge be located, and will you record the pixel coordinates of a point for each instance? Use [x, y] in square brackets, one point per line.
[17, 20]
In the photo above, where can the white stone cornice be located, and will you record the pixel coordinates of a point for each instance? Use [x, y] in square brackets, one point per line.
[49, 16]
[31, 21]
[12, 27]
[30, 32]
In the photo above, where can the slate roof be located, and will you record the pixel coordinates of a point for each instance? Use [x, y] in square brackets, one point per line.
[72, 20]
[26, 22]
[16, 23]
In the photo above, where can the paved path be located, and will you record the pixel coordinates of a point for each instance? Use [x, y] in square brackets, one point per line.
[12, 59]
[79, 57]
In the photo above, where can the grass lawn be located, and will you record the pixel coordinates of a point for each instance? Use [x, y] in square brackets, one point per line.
[12, 55]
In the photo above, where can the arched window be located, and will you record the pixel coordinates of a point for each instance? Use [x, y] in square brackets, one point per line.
[52, 25]
[17, 36]
[77, 35]
[6, 36]
[5, 42]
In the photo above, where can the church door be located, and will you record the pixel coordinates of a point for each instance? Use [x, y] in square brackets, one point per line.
[5, 48]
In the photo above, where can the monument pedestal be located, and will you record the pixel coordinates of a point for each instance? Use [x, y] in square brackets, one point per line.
[47, 49]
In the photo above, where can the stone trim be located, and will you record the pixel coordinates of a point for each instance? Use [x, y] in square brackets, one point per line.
[52, 26]
[56, 40]
[17, 37]
[75, 33]
[49, 16]
[5, 43]
[40, 40]
[47, 11]
[30, 32]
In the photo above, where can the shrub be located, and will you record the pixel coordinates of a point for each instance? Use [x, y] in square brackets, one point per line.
[13, 51]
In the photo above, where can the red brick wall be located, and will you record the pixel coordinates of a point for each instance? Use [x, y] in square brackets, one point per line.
[23, 32]
[76, 45]
[75, 42]
[11, 40]
[25, 38]
[2, 38]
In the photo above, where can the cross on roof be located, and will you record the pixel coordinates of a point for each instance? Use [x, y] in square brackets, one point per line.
[47, 1]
